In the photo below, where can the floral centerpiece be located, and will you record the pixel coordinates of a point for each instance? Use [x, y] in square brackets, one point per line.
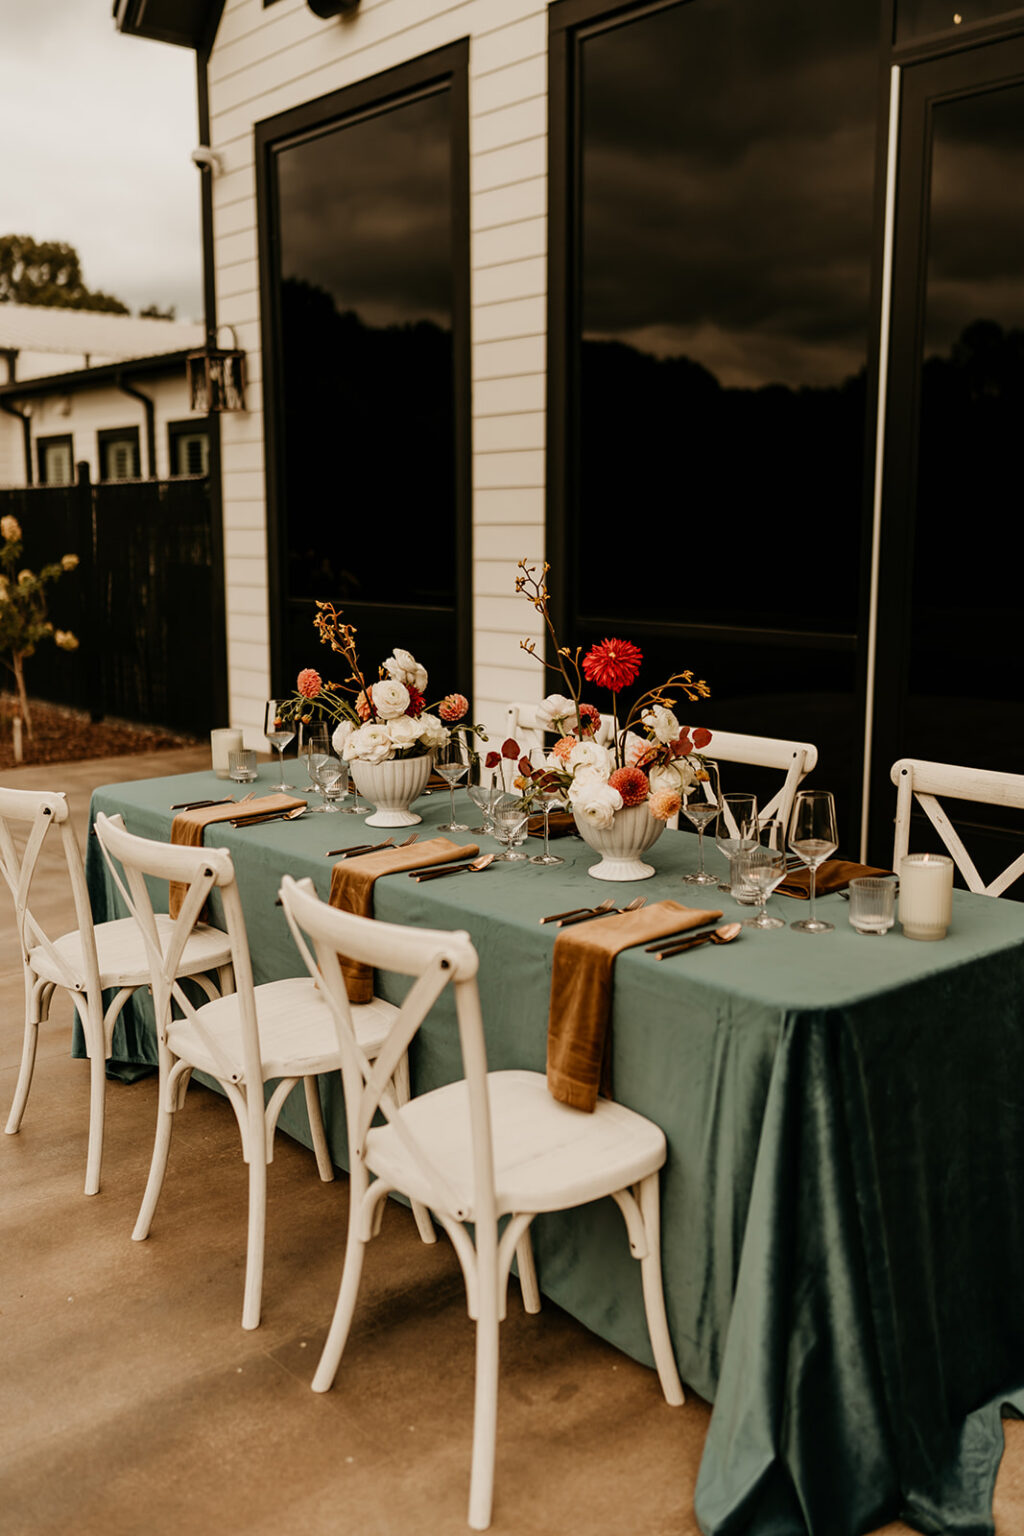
[650, 759]
[381, 722]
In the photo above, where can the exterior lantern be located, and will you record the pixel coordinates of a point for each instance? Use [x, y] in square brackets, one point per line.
[325, 9]
[216, 378]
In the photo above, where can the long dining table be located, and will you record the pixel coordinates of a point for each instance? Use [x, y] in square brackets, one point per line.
[843, 1201]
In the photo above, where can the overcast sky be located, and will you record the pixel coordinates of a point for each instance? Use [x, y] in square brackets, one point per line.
[97, 130]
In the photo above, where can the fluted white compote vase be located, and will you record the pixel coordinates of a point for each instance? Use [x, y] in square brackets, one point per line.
[632, 832]
[392, 787]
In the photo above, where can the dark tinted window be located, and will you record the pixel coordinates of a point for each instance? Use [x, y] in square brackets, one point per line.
[922, 18]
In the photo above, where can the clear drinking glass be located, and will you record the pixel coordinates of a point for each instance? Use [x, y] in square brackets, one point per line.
[812, 837]
[279, 729]
[314, 739]
[509, 814]
[735, 831]
[701, 804]
[329, 772]
[872, 904]
[762, 866]
[482, 790]
[549, 789]
[450, 763]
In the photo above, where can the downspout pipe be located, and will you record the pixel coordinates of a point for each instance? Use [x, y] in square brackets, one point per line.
[26, 435]
[150, 410]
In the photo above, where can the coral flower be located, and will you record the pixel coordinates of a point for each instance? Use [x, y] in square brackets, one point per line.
[453, 707]
[590, 719]
[631, 784]
[308, 683]
[562, 747]
[664, 805]
[613, 664]
[364, 709]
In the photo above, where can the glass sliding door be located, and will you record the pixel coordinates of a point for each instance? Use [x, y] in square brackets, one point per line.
[710, 498]
[363, 207]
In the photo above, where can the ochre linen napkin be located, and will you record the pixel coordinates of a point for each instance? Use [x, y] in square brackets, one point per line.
[352, 891]
[560, 824]
[579, 1059]
[834, 875]
[188, 827]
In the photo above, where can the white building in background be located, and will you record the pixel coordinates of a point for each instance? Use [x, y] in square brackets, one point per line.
[107, 390]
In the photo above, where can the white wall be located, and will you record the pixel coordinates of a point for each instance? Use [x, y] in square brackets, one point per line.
[268, 61]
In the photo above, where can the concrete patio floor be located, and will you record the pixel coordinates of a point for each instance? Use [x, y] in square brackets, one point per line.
[134, 1402]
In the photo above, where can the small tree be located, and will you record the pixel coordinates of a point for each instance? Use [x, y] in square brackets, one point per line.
[23, 620]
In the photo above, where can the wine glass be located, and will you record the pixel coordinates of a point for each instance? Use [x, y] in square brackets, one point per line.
[736, 830]
[550, 790]
[762, 866]
[509, 814]
[279, 729]
[329, 772]
[812, 837]
[452, 766]
[314, 739]
[482, 790]
[701, 804]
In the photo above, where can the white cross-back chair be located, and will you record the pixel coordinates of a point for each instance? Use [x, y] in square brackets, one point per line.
[925, 782]
[493, 1144]
[88, 961]
[793, 759]
[279, 1030]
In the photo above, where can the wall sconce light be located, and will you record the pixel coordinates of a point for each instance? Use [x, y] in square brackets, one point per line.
[325, 9]
[216, 377]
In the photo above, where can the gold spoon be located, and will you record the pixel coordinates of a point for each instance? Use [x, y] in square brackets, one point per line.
[723, 935]
[463, 869]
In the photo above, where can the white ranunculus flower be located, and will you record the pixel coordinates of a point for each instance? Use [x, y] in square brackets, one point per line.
[598, 804]
[433, 733]
[588, 754]
[405, 732]
[342, 732]
[369, 744]
[390, 699]
[556, 709]
[583, 781]
[674, 777]
[661, 723]
[634, 747]
[404, 668]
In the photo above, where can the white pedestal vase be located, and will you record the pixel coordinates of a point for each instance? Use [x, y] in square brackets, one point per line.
[632, 832]
[392, 787]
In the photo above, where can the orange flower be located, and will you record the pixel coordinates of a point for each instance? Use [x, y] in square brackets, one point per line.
[631, 784]
[613, 664]
[308, 683]
[563, 746]
[453, 707]
[664, 805]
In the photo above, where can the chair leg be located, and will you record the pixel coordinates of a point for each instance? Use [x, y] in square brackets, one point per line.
[345, 1306]
[316, 1130]
[485, 1413]
[527, 1273]
[97, 1100]
[157, 1167]
[654, 1294]
[256, 1238]
[28, 1061]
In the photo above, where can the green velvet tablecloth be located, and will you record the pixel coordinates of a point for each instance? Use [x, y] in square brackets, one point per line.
[843, 1203]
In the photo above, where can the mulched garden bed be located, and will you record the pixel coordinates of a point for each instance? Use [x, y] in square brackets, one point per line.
[69, 736]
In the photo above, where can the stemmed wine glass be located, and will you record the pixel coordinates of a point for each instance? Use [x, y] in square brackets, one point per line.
[550, 790]
[452, 766]
[701, 804]
[812, 837]
[314, 741]
[279, 731]
[762, 866]
[736, 830]
[482, 791]
[509, 813]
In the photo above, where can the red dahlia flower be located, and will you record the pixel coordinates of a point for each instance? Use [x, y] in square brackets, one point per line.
[590, 719]
[417, 703]
[631, 784]
[308, 683]
[613, 664]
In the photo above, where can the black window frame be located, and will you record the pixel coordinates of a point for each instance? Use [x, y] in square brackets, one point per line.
[448, 66]
[179, 429]
[56, 440]
[107, 436]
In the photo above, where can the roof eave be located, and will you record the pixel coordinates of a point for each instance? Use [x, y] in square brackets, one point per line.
[103, 373]
[185, 23]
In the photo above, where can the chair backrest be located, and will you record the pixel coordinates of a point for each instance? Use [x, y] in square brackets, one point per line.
[438, 959]
[200, 870]
[794, 759]
[924, 782]
[522, 726]
[26, 817]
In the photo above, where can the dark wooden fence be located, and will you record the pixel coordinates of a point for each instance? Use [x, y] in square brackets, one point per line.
[141, 602]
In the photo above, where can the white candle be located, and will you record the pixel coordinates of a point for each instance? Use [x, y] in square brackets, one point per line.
[926, 895]
[222, 744]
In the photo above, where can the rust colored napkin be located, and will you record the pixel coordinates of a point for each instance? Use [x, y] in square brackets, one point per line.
[581, 994]
[352, 891]
[833, 875]
[560, 824]
[188, 827]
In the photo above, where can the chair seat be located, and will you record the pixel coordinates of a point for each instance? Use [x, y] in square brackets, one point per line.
[296, 1029]
[121, 953]
[547, 1157]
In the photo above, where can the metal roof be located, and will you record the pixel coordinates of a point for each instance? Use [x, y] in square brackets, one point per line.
[90, 333]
